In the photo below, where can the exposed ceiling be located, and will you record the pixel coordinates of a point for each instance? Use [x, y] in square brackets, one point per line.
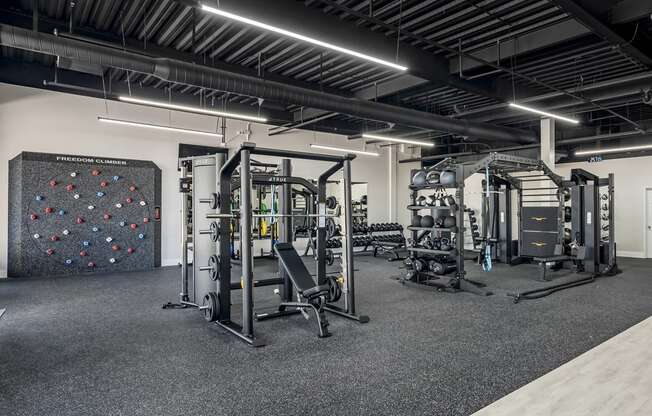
[466, 58]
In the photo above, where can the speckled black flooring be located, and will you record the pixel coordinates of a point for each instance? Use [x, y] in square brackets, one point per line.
[102, 345]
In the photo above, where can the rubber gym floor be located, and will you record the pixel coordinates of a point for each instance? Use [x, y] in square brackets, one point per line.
[102, 345]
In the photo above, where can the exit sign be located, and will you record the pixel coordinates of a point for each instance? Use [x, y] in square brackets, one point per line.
[594, 159]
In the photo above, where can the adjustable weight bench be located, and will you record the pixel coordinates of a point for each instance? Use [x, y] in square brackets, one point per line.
[314, 294]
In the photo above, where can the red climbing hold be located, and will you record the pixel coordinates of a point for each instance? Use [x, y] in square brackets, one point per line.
[129, 200]
[54, 238]
[95, 172]
[91, 264]
[70, 187]
[48, 210]
[132, 188]
[131, 250]
[133, 226]
[33, 217]
[115, 247]
[80, 220]
[49, 251]
[146, 220]
[104, 184]
[83, 253]
[106, 216]
[53, 183]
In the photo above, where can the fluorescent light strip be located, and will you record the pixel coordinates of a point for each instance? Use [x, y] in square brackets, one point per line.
[169, 106]
[396, 140]
[157, 126]
[613, 150]
[301, 37]
[340, 149]
[543, 113]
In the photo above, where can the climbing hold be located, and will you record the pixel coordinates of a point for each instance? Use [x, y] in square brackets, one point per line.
[141, 236]
[49, 251]
[107, 216]
[79, 220]
[33, 217]
[100, 194]
[70, 187]
[65, 232]
[132, 188]
[68, 262]
[129, 200]
[95, 229]
[54, 238]
[111, 260]
[115, 247]
[83, 253]
[39, 198]
[73, 174]
[76, 196]
[109, 239]
[95, 172]
[91, 207]
[37, 236]
[131, 250]
[116, 178]
[104, 184]
[91, 264]
[53, 183]
[62, 212]
[143, 203]
[146, 220]
[133, 226]
[118, 205]
[48, 210]
[122, 223]
[86, 243]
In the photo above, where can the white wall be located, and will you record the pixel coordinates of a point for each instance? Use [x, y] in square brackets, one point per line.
[52, 122]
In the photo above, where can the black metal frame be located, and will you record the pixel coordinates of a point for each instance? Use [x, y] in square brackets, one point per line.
[226, 183]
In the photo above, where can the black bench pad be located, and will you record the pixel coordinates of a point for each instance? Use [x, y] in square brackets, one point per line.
[298, 272]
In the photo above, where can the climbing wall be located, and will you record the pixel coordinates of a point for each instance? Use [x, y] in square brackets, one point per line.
[82, 214]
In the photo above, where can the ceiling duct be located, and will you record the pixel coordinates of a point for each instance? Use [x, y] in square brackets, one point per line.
[213, 78]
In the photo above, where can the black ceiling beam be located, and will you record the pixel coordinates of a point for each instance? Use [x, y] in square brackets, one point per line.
[603, 30]
[294, 16]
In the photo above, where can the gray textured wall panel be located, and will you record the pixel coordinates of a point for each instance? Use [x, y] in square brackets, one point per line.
[82, 214]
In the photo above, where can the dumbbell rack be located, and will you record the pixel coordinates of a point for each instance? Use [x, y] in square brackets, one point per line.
[387, 238]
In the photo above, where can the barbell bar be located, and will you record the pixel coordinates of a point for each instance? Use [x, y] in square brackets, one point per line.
[217, 215]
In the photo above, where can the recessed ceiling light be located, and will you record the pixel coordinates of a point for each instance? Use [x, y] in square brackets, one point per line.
[613, 150]
[341, 149]
[300, 37]
[157, 126]
[397, 140]
[544, 113]
[188, 109]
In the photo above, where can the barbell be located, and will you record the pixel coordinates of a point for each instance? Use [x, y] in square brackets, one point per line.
[232, 215]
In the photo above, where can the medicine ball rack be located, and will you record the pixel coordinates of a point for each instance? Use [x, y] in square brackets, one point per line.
[502, 166]
[212, 283]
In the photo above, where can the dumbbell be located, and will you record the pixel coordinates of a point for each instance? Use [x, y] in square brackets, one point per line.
[440, 268]
[567, 214]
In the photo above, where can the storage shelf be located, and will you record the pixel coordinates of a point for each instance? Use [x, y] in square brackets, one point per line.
[430, 251]
[420, 207]
[413, 228]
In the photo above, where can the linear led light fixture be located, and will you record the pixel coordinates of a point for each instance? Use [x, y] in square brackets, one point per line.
[543, 113]
[613, 150]
[341, 149]
[187, 109]
[157, 126]
[397, 140]
[300, 37]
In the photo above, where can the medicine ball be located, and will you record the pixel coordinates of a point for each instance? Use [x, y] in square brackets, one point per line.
[447, 178]
[419, 178]
[449, 222]
[427, 221]
[416, 221]
[567, 214]
[567, 236]
[432, 177]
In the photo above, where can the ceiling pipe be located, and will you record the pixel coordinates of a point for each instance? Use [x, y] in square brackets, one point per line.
[218, 79]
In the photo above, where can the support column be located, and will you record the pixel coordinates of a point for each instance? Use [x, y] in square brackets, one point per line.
[392, 167]
[547, 153]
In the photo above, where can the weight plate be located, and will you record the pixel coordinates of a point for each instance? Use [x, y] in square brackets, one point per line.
[214, 264]
[212, 307]
[214, 201]
[214, 228]
[330, 258]
[334, 290]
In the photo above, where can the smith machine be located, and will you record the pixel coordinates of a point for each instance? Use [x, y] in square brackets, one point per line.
[213, 180]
